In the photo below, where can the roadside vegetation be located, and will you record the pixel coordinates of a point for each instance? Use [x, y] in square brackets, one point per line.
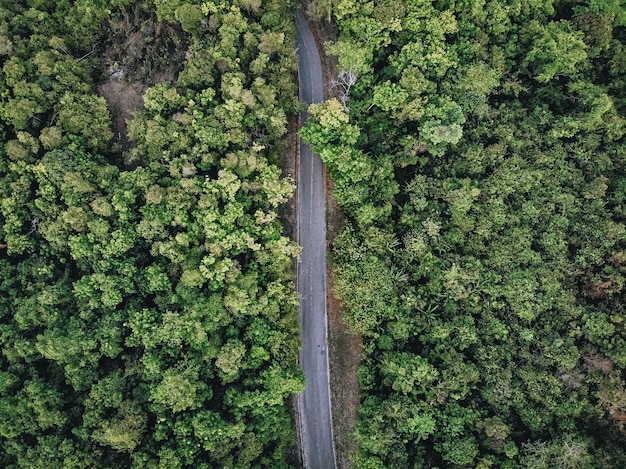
[477, 151]
[147, 311]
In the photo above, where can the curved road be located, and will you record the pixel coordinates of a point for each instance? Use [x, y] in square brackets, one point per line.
[314, 409]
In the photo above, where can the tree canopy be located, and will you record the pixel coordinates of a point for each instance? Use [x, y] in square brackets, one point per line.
[480, 165]
[148, 317]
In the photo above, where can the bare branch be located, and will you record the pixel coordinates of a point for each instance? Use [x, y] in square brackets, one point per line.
[93, 49]
[34, 223]
[345, 80]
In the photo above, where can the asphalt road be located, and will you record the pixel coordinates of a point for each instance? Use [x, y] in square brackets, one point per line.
[316, 436]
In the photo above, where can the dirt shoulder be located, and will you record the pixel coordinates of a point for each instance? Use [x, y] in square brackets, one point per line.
[344, 355]
[344, 348]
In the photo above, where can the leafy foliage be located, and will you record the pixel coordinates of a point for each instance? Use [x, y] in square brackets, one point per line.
[147, 315]
[480, 166]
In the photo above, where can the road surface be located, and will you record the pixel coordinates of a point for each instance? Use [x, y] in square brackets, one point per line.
[315, 427]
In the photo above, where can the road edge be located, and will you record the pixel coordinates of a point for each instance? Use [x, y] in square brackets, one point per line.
[300, 416]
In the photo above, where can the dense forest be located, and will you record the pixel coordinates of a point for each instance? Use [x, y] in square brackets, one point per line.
[147, 312]
[477, 150]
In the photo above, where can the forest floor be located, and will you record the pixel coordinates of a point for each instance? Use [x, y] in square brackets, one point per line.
[139, 53]
[123, 99]
[344, 347]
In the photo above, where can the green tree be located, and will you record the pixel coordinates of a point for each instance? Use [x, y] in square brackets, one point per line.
[557, 50]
